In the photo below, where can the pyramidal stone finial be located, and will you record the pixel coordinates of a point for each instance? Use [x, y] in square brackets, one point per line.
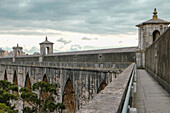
[155, 14]
[46, 39]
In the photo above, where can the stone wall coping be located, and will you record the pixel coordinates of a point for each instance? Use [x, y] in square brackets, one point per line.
[67, 68]
[110, 100]
[98, 51]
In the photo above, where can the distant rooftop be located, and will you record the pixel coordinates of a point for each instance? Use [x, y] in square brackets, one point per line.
[99, 51]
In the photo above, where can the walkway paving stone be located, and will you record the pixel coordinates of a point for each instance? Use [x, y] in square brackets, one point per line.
[150, 96]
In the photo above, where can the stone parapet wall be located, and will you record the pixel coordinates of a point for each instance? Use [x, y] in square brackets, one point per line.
[158, 57]
[110, 100]
[97, 65]
[109, 58]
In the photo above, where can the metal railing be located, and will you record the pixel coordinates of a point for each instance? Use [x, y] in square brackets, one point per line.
[131, 89]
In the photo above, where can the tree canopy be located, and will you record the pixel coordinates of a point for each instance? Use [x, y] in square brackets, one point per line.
[5, 96]
[44, 101]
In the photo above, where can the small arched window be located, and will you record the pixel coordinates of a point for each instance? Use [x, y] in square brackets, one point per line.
[47, 50]
[156, 34]
[18, 53]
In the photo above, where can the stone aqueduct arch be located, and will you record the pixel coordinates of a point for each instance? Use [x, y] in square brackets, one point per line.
[28, 82]
[44, 95]
[45, 79]
[102, 86]
[68, 96]
[15, 79]
[5, 75]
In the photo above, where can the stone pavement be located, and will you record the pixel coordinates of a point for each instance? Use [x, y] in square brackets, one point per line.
[150, 96]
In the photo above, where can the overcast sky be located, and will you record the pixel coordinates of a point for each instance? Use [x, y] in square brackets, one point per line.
[75, 24]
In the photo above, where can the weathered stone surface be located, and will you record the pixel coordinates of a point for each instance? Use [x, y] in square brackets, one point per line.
[149, 31]
[104, 58]
[85, 81]
[110, 99]
[158, 60]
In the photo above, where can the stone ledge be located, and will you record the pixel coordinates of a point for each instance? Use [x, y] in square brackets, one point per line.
[110, 99]
[109, 70]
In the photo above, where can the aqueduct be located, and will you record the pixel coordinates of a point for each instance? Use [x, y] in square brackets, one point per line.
[84, 74]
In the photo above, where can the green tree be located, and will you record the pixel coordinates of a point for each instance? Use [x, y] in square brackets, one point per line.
[43, 103]
[5, 96]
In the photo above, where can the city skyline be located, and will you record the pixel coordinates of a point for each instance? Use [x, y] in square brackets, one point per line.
[78, 25]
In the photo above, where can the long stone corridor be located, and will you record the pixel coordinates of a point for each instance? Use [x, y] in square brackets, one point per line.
[150, 96]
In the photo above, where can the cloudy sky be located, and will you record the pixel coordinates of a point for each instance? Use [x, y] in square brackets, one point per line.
[75, 24]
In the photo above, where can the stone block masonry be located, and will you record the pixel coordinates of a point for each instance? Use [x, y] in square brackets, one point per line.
[158, 60]
[77, 85]
[110, 100]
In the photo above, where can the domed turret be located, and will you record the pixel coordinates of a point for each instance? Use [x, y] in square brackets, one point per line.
[149, 31]
[46, 47]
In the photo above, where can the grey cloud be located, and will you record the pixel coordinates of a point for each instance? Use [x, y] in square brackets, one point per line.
[90, 47]
[97, 47]
[7, 48]
[120, 41]
[75, 47]
[62, 40]
[27, 32]
[86, 38]
[29, 51]
[92, 16]
[32, 50]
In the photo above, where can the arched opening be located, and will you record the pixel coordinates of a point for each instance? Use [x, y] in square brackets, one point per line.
[27, 85]
[28, 82]
[5, 75]
[155, 35]
[47, 50]
[45, 79]
[46, 94]
[15, 81]
[69, 98]
[18, 53]
[102, 86]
